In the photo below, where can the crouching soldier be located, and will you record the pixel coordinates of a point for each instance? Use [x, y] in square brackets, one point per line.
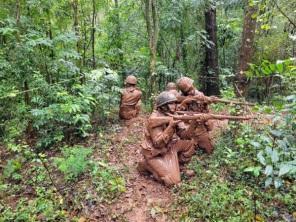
[130, 103]
[195, 101]
[162, 148]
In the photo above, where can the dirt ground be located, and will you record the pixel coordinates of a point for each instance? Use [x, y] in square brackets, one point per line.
[145, 199]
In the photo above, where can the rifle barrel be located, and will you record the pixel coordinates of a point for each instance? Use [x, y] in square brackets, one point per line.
[207, 116]
[234, 102]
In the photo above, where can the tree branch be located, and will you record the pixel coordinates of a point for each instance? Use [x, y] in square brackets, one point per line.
[281, 11]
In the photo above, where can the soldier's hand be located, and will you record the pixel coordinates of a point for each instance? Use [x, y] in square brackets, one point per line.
[173, 123]
[213, 98]
[199, 97]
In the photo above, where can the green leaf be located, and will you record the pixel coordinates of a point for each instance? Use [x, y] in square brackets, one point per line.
[278, 182]
[285, 168]
[268, 182]
[261, 158]
[275, 156]
[280, 67]
[275, 133]
[268, 170]
[282, 144]
[254, 170]
[255, 144]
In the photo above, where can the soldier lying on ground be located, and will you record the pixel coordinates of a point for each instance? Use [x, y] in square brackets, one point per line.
[198, 105]
[162, 148]
[130, 103]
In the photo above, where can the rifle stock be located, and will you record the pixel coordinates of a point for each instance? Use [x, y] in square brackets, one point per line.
[158, 121]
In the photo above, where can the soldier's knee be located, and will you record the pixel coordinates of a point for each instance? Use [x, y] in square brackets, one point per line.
[170, 180]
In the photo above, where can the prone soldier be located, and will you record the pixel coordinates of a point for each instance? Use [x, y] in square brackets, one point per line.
[163, 149]
[130, 103]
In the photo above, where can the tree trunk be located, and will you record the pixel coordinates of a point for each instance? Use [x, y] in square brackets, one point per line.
[246, 51]
[183, 47]
[118, 35]
[51, 55]
[151, 17]
[210, 77]
[76, 22]
[93, 33]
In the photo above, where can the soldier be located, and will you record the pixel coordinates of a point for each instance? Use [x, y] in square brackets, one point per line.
[130, 103]
[162, 148]
[171, 87]
[198, 104]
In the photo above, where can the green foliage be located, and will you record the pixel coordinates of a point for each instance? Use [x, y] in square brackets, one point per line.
[226, 184]
[12, 169]
[107, 181]
[276, 147]
[43, 208]
[272, 79]
[103, 85]
[74, 161]
[220, 202]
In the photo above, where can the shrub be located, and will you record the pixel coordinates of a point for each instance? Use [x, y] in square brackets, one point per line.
[74, 161]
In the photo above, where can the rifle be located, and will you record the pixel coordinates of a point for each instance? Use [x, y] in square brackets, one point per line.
[200, 117]
[208, 100]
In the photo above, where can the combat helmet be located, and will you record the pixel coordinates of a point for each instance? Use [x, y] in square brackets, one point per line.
[171, 85]
[184, 84]
[165, 98]
[131, 80]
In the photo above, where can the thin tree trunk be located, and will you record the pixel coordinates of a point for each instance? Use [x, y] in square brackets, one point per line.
[151, 17]
[51, 55]
[118, 35]
[183, 47]
[210, 78]
[246, 51]
[25, 83]
[76, 22]
[93, 33]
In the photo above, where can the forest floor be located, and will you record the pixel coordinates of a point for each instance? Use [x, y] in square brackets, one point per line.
[112, 190]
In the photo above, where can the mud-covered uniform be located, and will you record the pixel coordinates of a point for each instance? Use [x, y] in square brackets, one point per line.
[201, 132]
[163, 150]
[130, 103]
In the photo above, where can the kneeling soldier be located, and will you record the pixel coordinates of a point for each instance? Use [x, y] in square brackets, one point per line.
[162, 148]
[197, 105]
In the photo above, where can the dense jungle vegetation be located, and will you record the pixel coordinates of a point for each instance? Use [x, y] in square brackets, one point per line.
[62, 66]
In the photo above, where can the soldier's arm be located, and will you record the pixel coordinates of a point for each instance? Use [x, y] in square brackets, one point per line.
[161, 138]
[186, 131]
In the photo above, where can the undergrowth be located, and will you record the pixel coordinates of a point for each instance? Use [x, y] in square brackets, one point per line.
[223, 189]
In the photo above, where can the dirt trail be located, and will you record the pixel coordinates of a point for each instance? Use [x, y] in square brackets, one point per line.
[145, 200]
